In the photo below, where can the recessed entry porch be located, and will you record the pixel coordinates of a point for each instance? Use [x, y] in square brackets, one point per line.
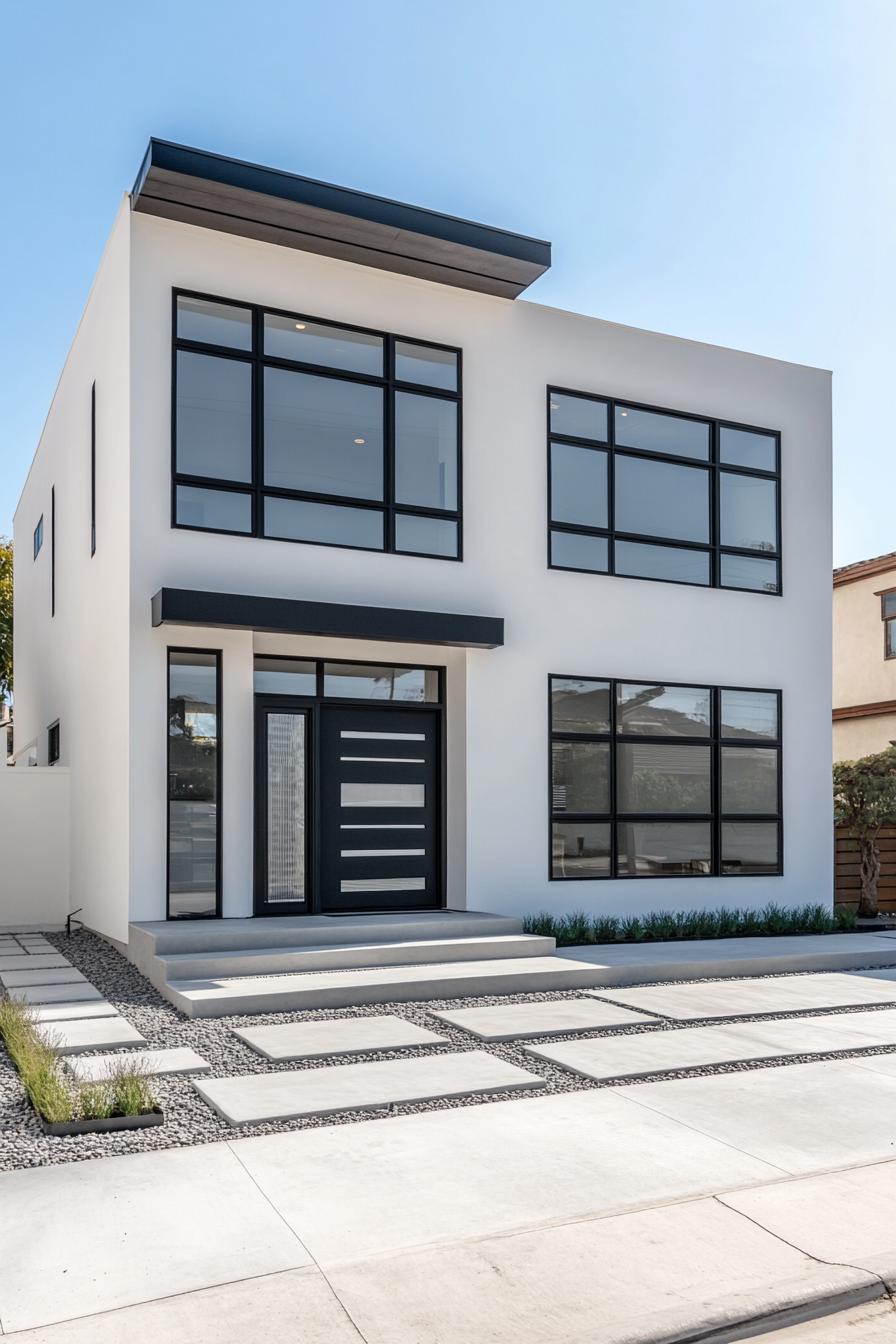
[347, 782]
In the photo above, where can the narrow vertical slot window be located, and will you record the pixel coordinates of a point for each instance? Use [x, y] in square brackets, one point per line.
[194, 783]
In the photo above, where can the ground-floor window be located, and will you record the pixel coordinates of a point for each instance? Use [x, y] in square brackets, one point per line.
[194, 783]
[651, 779]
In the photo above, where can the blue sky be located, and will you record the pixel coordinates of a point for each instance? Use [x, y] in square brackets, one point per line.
[718, 169]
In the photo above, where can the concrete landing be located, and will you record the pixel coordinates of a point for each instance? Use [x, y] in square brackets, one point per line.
[259, 1097]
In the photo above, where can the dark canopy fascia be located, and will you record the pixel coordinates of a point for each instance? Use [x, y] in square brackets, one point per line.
[231, 196]
[289, 616]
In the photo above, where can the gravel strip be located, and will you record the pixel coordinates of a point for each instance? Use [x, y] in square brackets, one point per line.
[188, 1120]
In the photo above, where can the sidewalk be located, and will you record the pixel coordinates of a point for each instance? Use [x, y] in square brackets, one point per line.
[596, 1216]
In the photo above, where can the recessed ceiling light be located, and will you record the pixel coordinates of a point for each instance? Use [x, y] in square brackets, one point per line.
[300, 326]
[360, 440]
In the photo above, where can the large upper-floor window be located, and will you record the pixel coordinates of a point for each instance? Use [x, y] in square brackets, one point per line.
[301, 430]
[650, 779]
[888, 616]
[653, 494]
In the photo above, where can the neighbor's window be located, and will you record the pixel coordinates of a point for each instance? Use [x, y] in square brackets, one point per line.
[888, 616]
[38, 536]
[656, 780]
[53, 743]
[651, 494]
[194, 783]
[300, 430]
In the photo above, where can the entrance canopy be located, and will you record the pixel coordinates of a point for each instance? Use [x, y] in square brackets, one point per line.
[291, 616]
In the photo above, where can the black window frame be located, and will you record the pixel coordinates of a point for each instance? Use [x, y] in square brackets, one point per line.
[53, 743]
[219, 847]
[389, 507]
[37, 538]
[715, 740]
[712, 465]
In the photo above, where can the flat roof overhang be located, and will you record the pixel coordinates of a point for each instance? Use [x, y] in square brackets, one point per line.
[214, 192]
[290, 616]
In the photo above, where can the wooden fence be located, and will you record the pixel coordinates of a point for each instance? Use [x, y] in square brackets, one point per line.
[846, 869]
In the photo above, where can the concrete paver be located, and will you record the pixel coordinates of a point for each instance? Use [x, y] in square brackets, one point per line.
[76, 993]
[341, 1036]
[100, 1033]
[65, 1012]
[94, 1068]
[515, 1021]
[742, 998]
[22, 961]
[42, 976]
[256, 1097]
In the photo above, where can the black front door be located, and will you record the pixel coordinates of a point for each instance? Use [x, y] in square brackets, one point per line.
[380, 809]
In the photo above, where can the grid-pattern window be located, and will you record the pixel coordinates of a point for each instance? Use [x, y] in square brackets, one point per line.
[651, 779]
[655, 494]
[888, 616]
[291, 428]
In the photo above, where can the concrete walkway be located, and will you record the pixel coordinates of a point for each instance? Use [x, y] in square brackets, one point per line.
[649, 1213]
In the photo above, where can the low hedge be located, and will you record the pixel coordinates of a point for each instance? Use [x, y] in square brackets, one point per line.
[771, 921]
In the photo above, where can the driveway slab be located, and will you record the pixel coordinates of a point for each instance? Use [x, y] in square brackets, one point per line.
[94, 1068]
[297, 1306]
[636, 1055]
[743, 998]
[514, 1021]
[93, 1236]
[348, 1036]
[21, 961]
[100, 1033]
[805, 1117]
[256, 1097]
[671, 1273]
[42, 976]
[844, 1215]
[77, 993]
[385, 1185]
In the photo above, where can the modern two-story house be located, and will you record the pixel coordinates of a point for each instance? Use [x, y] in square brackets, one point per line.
[348, 580]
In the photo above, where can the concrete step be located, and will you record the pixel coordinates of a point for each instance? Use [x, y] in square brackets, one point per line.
[401, 984]
[163, 937]
[345, 956]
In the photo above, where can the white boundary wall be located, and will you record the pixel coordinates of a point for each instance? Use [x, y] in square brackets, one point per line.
[34, 847]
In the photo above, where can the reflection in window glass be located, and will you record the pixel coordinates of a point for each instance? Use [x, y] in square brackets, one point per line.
[749, 779]
[214, 417]
[284, 676]
[578, 417]
[580, 849]
[661, 499]
[750, 847]
[890, 638]
[657, 433]
[214, 323]
[220, 510]
[192, 784]
[747, 571]
[579, 706]
[676, 564]
[578, 485]
[323, 435]
[420, 535]
[664, 849]
[330, 524]
[358, 681]
[425, 451]
[663, 711]
[426, 365]
[749, 714]
[653, 777]
[578, 550]
[581, 776]
[330, 347]
[746, 448]
[748, 512]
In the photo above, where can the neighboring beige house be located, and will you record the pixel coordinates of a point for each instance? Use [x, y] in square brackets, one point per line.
[864, 657]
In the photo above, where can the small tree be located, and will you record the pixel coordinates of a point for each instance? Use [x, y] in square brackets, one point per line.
[5, 619]
[865, 800]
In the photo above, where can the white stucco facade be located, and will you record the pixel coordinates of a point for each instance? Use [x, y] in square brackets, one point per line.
[99, 666]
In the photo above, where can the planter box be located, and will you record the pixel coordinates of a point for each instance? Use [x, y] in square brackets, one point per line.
[108, 1126]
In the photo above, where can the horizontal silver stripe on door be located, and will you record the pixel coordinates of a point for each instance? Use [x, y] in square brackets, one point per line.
[381, 853]
[382, 795]
[387, 760]
[382, 826]
[383, 884]
[385, 737]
